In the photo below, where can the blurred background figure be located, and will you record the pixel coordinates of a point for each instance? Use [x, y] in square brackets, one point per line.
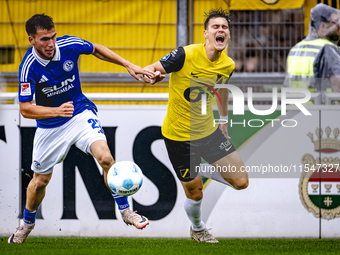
[314, 63]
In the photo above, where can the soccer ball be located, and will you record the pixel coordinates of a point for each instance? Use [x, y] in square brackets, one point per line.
[125, 178]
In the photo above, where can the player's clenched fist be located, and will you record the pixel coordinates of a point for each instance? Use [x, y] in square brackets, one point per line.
[66, 109]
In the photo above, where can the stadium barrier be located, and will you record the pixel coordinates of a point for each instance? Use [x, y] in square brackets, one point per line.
[161, 97]
[281, 154]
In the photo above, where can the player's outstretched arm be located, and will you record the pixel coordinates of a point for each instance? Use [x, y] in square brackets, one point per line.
[30, 111]
[108, 55]
[158, 72]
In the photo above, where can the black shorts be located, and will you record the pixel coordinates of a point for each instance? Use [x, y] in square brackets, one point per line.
[185, 156]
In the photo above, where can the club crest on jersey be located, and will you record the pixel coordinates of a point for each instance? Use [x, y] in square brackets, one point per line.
[68, 65]
[185, 173]
[36, 164]
[25, 89]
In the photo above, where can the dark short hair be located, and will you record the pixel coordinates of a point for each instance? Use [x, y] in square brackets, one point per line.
[216, 13]
[38, 21]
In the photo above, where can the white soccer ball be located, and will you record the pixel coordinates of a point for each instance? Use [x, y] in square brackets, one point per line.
[125, 178]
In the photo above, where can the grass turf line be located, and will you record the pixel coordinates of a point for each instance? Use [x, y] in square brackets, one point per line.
[164, 246]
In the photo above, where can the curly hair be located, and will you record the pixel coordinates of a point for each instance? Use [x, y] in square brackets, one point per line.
[216, 13]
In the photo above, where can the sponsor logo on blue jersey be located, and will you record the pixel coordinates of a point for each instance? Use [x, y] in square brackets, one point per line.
[43, 79]
[65, 85]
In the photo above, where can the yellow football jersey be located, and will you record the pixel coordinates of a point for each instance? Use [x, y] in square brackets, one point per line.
[192, 81]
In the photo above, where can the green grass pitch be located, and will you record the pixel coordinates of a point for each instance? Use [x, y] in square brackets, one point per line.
[163, 246]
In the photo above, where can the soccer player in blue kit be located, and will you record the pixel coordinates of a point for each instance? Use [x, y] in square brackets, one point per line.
[63, 113]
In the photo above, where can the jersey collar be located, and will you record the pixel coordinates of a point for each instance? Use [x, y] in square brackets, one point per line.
[45, 62]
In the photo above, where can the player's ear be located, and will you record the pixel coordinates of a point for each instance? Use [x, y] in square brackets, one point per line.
[205, 33]
[31, 39]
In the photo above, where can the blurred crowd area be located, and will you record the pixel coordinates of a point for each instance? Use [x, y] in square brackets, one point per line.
[261, 40]
[144, 31]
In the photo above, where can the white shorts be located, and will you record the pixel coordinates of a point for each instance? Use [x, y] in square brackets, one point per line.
[51, 145]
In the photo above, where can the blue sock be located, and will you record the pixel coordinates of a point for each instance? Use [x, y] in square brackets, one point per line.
[122, 202]
[29, 217]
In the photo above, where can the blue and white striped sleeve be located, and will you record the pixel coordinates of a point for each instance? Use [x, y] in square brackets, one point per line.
[83, 46]
[26, 79]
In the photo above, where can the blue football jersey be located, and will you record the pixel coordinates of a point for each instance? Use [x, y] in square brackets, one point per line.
[55, 81]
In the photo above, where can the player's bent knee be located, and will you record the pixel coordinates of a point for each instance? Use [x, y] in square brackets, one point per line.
[105, 161]
[195, 194]
[240, 183]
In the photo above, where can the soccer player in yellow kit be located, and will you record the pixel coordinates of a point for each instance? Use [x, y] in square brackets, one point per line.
[189, 128]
